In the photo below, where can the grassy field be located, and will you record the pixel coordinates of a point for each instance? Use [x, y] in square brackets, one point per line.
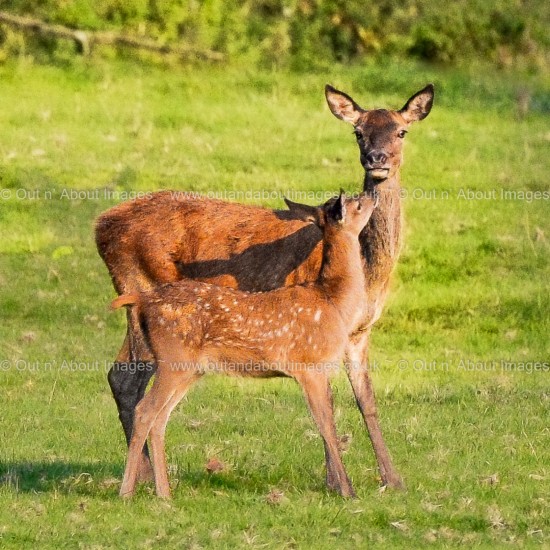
[462, 355]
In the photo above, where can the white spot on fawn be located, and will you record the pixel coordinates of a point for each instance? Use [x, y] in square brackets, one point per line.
[317, 316]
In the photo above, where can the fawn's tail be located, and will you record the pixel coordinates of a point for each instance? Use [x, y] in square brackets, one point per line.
[125, 300]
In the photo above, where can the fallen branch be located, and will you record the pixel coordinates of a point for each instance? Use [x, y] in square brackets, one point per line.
[80, 38]
[86, 40]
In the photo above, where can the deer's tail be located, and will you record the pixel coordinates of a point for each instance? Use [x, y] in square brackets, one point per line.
[125, 300]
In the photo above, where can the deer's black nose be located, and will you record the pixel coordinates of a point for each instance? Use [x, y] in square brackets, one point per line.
[376, 158]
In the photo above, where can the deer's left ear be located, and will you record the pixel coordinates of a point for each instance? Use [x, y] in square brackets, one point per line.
[303, 212]
[419, 105]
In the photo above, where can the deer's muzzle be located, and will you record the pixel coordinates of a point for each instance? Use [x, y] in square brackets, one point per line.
[375, 163]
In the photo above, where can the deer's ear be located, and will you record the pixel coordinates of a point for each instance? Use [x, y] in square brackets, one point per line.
[336, 212]
[342, 105]
[419, 105]
[303, 212]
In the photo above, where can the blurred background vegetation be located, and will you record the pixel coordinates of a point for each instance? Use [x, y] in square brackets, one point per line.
[306, 34]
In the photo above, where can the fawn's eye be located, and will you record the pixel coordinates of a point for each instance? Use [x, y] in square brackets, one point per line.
[401, 133]
[358, 207]
[358, 135]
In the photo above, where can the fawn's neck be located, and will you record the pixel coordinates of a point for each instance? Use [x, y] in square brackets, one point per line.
[342, 277]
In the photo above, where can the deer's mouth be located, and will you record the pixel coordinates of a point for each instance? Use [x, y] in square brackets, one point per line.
[378, 174]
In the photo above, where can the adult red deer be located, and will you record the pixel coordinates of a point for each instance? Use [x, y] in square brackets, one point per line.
[297, 331]
[169, 236]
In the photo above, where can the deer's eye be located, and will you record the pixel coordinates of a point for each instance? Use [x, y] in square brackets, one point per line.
[358, 207]
[358, 135]
[401, 133]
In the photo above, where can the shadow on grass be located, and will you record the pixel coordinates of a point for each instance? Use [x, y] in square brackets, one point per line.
[102, 478]
[59, 476]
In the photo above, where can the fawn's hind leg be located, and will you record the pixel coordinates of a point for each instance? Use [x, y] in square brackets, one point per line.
[159, 429]
[147, 410]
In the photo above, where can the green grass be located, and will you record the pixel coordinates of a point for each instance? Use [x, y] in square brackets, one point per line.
[472, 290]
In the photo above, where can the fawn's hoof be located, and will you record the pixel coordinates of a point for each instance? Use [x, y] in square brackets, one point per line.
[126, 493]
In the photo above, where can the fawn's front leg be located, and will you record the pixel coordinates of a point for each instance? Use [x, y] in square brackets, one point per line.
[318, 394]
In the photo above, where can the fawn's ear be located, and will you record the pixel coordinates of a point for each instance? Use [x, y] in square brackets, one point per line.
[336, 211]
[303, 212]
[419, 105]
[342, 105]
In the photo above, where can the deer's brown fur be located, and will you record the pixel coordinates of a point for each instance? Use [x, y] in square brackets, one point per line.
[166, 238]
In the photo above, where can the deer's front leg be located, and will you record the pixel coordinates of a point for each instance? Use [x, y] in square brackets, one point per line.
[357, 369]
[128, 380]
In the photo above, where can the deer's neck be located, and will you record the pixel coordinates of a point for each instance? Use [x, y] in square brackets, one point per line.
[342, 277]
[380, 240]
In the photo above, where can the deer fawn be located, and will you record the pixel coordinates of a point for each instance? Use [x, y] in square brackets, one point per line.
[297, 331]
[169, 237]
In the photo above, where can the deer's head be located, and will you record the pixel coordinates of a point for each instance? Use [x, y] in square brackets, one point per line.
[380, 132]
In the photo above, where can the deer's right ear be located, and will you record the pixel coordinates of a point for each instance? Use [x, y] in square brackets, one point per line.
[303, 212]
[342, 105]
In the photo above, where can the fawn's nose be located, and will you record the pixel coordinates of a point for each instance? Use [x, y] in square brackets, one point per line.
[376, 158]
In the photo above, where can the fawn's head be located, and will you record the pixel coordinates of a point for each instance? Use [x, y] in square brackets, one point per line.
[347, 213]
[380, 132]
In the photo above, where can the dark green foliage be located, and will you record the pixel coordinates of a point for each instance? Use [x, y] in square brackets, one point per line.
[306, 33]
